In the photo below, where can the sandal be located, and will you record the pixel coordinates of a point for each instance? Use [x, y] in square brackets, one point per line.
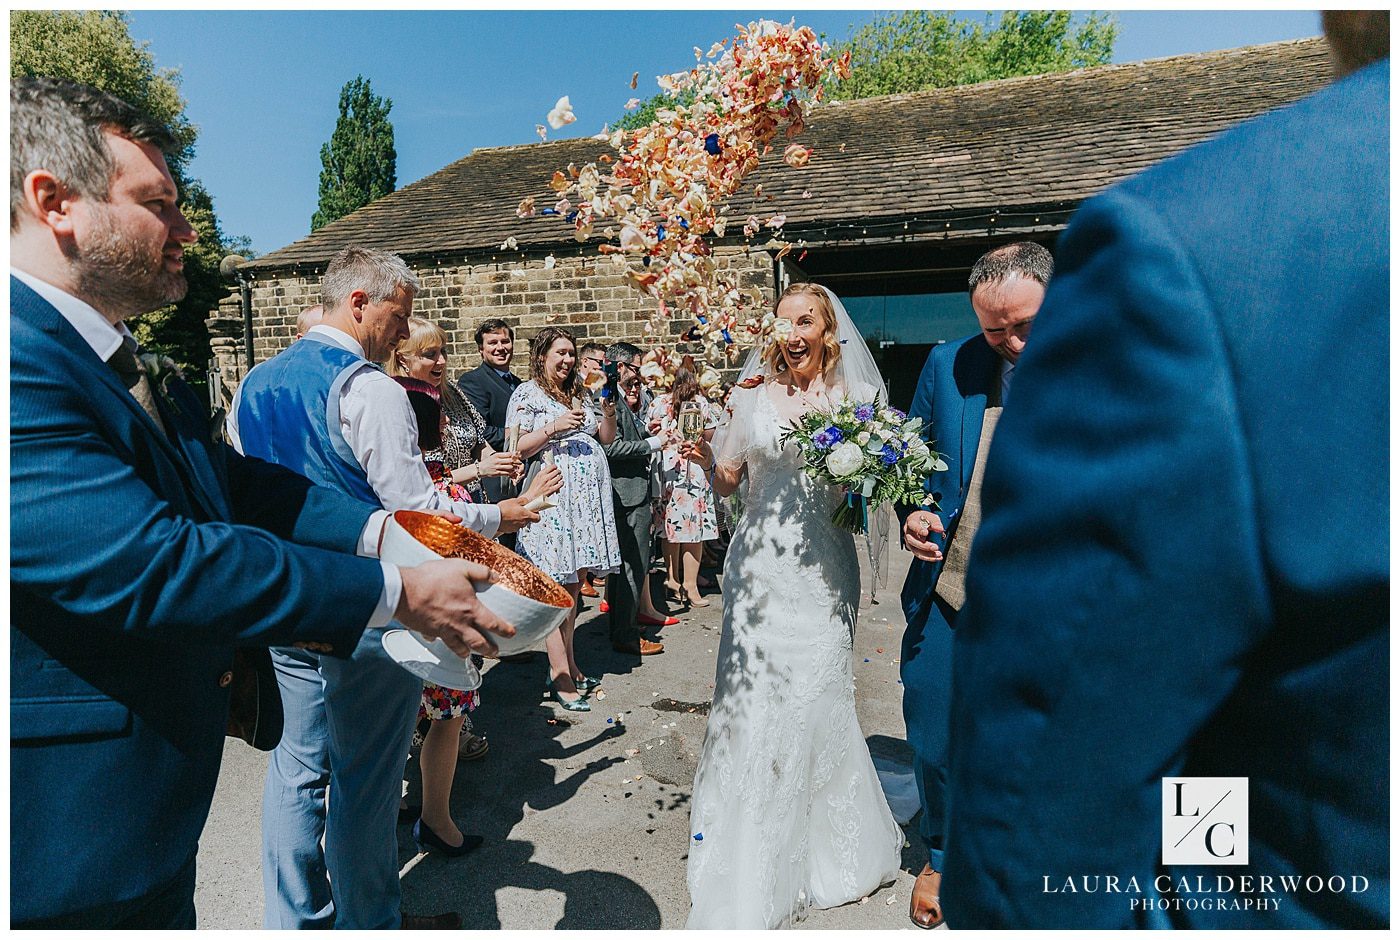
[472, 747]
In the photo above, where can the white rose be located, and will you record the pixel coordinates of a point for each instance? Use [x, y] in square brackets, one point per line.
[863, 438]
[844, 459]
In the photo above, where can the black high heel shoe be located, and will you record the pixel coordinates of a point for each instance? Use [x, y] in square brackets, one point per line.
[427, 839]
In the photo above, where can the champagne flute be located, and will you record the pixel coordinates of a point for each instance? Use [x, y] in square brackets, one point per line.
[691, 421]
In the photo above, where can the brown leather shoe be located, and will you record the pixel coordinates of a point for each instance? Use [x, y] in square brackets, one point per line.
[450, 920]
[588, 590]
[644, 647]
[924, 909]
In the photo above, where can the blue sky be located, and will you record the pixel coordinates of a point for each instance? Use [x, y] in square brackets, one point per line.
[263, 87]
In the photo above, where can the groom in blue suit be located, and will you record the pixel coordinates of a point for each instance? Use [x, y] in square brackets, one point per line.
[1183, 569]
[960, 381]
[142, 550]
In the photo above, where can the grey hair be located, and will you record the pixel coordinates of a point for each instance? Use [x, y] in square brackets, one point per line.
[1024, 259]
[377, 273]
[622, 352]
[57, 125]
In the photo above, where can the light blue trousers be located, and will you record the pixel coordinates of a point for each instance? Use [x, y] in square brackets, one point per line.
[348, 727]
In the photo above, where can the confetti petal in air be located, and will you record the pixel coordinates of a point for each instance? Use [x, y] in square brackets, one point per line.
[549, 262]
[526, 207]
[665, 192]
[632, 103]
[540, 129]
[634, 80]
[562, 113]
[510, 244]
[796, 155]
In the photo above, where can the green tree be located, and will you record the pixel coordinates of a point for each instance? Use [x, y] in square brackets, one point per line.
[914, 50]
[95, 47]
[357, 164]
[645, 113]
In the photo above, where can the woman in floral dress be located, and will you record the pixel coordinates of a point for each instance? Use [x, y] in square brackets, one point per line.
[445, 709]
[579, 534]
[686, 506]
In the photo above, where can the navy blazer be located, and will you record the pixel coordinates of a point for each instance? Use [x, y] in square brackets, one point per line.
[136, 568]
[484, 388]
[951, 398]
[1183, 564]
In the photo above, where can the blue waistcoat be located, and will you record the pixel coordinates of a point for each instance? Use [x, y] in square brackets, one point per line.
[289, 414]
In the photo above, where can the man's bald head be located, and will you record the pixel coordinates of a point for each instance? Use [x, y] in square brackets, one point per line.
[309, 318]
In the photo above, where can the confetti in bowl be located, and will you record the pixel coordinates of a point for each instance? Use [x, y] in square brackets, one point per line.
[523, 595]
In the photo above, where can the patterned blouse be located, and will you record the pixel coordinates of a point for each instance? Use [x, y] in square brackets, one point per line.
[466, 432]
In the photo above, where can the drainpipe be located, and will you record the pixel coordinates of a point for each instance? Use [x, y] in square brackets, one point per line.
[229, 267]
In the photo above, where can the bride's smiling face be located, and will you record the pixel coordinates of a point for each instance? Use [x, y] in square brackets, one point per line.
[804, 349]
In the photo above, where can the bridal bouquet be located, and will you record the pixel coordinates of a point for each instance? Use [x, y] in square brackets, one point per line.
[875, 453]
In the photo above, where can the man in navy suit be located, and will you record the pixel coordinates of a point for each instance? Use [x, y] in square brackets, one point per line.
[1183, 569]
[489, 387]
[960, 381]
[142, 550]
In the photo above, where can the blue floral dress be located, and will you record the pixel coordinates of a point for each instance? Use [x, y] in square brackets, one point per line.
[579, 532]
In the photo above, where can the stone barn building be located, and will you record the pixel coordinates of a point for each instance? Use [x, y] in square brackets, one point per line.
[902, 194]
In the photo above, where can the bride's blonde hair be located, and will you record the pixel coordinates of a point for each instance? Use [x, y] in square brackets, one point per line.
[773, 361]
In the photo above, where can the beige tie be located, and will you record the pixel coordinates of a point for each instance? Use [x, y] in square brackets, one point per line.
[133, 374]
[952, 578]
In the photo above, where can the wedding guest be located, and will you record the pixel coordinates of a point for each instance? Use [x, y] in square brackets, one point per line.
[686, 506]
[123, 622]
[324, 408]
[488, 387]
[591, 357]
[959, 398]
[1183, 567]
[580, 533]
[445, 709]
[463, 452]
[470, 458]
[630, 457]
[308, 318]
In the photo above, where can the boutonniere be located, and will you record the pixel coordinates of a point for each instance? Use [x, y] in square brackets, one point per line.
[160, 370]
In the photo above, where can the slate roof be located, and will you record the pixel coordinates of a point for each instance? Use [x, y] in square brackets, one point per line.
[1047, 140]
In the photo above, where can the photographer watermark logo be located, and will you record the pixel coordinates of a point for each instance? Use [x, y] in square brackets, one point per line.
[1205, 820]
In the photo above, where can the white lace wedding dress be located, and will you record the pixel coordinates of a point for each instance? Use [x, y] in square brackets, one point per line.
[788, 813]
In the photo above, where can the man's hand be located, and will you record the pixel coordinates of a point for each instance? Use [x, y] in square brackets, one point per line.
[514, 515]
[438, 601]
[918, 531]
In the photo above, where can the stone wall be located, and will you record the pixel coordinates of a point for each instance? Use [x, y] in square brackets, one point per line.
[587, 293]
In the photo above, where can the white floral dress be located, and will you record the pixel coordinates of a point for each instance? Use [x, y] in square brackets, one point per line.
[686, 506]
[580, 532]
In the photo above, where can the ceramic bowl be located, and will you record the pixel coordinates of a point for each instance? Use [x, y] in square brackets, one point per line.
[523, 596]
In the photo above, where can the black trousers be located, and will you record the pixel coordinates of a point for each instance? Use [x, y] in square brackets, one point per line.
[625, 587]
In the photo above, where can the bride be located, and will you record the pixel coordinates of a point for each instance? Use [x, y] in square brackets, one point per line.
[787, 811]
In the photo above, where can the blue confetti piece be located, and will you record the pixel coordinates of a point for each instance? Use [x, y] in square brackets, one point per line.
[610, 721]
[701, 318]
[699, 837]
[867, 660]
[550, 211]
[712, 145]
[661, 233]
[571, 216]
[727, 337]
